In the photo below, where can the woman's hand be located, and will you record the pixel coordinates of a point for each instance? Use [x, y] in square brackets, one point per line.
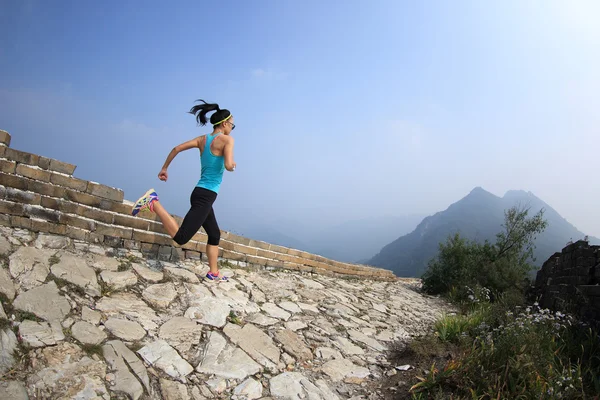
[163, 175]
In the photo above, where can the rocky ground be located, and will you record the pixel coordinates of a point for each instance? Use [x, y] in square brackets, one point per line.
[80, 321]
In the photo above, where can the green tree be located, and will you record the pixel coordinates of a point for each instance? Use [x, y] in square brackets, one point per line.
[504, 265]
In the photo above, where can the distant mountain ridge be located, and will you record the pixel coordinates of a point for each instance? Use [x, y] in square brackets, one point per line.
[477, 216]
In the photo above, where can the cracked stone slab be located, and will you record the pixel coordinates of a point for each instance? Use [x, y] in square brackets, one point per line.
[225, 360]
[209, 311]
[74, 270]
[254, 342]
[261, 319]
[290, 306]
[48, 241]
[131, 306]
[275, 312]
[7, 286]
[343, 369]
[293, 344]
[13, 390]
[124, 329]
[160, 294]
[87, 333]
[103, 263]
[41, 334]
[295, 325]
[360, 337]
[44, 301]
[294, 385]
[130, 371]
[8, 345]
[2, 313]
[172, 390]
[347, 347]
[118, 280]
[250, 389]
[148, 274]
[69, 375]
[181, 274]
[161, 355]
[91, 316]
[30, 266]
[182, 333]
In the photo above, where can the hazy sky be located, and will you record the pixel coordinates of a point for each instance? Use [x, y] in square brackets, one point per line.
[344, 109]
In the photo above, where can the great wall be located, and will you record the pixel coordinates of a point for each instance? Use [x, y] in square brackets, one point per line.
[96, 304]
[42, 195]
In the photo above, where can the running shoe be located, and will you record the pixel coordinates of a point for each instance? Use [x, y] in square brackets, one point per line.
[218, 277]
[144, 202]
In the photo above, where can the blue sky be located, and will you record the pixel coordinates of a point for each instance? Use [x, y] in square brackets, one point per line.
[344, 110]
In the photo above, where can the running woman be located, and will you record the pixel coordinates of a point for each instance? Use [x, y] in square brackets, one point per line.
[216, 155]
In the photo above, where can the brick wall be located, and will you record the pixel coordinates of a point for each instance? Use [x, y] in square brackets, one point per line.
[570, 281]
[42, 195]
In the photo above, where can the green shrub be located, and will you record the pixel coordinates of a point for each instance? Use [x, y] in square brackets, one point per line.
[463, 265]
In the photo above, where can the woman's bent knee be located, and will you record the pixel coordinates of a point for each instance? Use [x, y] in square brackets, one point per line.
[214, 239]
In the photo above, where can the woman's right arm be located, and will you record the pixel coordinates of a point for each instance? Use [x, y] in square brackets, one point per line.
[190, 144]
[228, 154]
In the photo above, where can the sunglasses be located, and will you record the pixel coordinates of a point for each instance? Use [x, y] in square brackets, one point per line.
[232, 125]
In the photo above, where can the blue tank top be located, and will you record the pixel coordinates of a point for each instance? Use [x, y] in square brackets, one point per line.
[212, 167]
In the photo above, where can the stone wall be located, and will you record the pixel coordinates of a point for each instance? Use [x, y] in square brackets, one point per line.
[570, 281]
[42, 195]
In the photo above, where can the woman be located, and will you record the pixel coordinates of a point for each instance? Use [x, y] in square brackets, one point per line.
[216, 155]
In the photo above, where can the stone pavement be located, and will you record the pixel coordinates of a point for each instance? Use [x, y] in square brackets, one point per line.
[80, 321]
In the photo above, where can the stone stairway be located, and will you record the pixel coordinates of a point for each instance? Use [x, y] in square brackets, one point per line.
[81, 320]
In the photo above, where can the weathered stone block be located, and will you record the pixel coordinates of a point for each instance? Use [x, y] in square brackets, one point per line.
[7, 166]
[154, 226]
[105, 192]
[20, 222]
[177, 254]
[42, 213]
[49, 227]
[193, 255]
[274, 264]
[234, 256]
[149, 237]
[238, 239]
[131, 244]
[113, 241]
[20, 196]
[13, 181]
[111, 230]
[63, 206]
[201, 247]
[201, 237]
[69, 182]
[21, 156]
[63, 167]
[78, 222]
[97, 214]
[2, 192]
[76, 233]
[164, 253]
[256, 260]
[226, 245]
[239, 248]
[2, 150]
[33, 173]
[4, 219]
[131, 222]
[44, 163]
[8, 207]
[259, 244]
[150, 249]
[81, 198]
[278, 249]
[120, 208]
[94, 237]
[4, 137]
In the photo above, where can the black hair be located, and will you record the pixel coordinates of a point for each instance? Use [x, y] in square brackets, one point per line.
[200, 111]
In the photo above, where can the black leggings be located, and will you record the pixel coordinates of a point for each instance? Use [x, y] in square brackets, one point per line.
[201, 214]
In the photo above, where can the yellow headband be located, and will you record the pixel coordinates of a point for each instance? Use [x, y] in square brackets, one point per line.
[220, 122]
